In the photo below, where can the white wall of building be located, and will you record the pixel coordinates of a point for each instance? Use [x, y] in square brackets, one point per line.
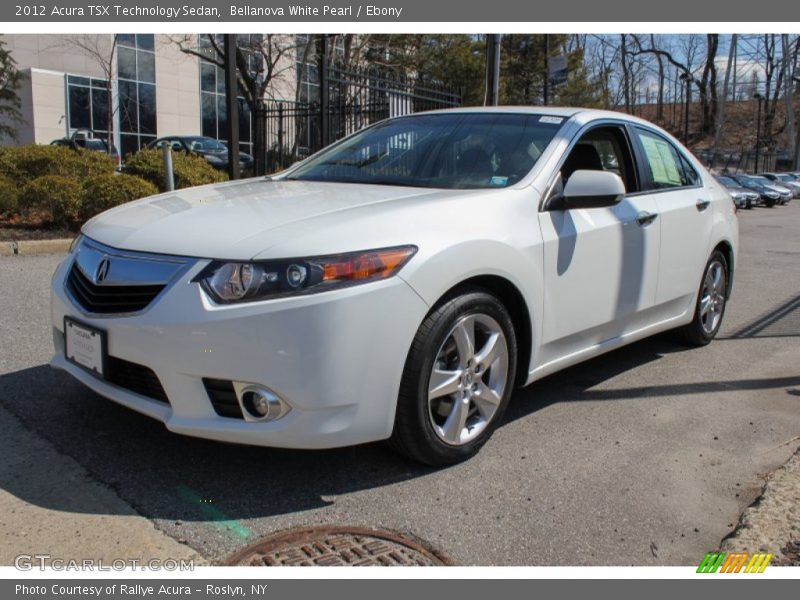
[177, 89]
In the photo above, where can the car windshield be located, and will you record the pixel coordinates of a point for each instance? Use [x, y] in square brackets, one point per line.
[204, 144]
[761, 180]
[451, 151]
[785, 178]
[727, 182]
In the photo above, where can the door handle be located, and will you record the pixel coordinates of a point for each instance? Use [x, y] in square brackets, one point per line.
[644, 218]
[702, 205]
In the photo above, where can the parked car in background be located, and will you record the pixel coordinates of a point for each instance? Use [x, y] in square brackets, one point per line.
[86, 139]
[786, 180]
[742, 197]
[214, 151]
[785, 193]
[769, 195]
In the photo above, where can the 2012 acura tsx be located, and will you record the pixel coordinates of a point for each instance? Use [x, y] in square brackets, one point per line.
[398, 284]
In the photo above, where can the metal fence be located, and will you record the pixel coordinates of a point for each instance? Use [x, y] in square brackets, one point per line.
[746, 161]
[350, 99]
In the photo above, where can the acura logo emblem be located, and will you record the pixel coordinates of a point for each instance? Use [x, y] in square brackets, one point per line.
[102, 269]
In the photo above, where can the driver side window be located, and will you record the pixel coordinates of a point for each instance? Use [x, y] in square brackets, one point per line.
[604, 148]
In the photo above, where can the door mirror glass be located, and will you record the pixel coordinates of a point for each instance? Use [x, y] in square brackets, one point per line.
[590, 189]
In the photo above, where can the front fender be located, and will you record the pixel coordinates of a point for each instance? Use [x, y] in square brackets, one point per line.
[441, 269]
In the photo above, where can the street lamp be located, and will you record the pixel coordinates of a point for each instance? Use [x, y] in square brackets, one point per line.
[759, 98]
[687, 79]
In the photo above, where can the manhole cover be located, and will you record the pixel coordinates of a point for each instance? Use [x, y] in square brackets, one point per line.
[337, 546]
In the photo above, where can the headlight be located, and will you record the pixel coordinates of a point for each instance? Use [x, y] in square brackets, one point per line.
[229, 282]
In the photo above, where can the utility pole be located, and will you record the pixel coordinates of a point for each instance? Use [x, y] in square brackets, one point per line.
[324, 91]
[687, 79]
[232, 105]
[492, 97]
[545, 91]
[759, 98]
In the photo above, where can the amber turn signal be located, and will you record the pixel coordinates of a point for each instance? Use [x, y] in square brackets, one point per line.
[374, 264]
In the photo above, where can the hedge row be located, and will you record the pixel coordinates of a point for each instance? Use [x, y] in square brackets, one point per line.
[189, 170]
[65, 201]
[62, 186]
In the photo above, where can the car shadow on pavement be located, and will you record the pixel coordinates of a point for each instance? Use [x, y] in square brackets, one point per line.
[176, 478]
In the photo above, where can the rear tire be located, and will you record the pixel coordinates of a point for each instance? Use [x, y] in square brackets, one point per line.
[454, 391]
[711, 303]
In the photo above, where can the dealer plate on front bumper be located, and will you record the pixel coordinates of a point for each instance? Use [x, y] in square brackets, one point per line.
[84, 346]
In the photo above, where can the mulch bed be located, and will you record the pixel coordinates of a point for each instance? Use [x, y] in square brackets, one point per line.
[15, 229]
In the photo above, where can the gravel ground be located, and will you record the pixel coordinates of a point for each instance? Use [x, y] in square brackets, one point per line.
[772, 523]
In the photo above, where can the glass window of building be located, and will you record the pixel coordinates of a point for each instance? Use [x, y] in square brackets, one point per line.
[87, 104]
[136, 79]
[212, 89]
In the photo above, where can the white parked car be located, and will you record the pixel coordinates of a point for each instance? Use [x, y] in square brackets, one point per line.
[400, 283]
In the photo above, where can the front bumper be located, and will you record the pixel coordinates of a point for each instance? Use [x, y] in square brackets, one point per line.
[335, 357]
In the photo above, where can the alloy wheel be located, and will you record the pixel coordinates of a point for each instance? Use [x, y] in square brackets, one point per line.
[712, 300]
[468, 379]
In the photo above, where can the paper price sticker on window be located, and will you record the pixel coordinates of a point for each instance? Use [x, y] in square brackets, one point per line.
[551, 120]
[661, 160]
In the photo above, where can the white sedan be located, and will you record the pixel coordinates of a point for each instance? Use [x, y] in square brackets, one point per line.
[400, 283]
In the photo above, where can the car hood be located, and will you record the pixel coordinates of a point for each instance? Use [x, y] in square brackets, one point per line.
[238, 220]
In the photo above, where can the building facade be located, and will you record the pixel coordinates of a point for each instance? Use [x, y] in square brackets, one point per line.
[157, 88]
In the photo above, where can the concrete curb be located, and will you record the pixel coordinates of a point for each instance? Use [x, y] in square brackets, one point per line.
[32, 247]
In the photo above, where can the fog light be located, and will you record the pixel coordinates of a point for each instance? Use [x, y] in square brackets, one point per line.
[259, 403]
[262, 404]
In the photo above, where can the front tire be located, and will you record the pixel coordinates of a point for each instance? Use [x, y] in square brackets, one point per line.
[457, 380]
[711, 303]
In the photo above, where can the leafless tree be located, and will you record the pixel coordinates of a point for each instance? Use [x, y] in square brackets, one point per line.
[102, 51]
[790, 70]
[261, 62]
[730, 67]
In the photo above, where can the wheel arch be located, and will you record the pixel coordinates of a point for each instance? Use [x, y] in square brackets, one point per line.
[513, 300]
[726, 248]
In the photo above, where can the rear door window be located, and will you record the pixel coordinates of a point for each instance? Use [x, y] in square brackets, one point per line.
[663, 163]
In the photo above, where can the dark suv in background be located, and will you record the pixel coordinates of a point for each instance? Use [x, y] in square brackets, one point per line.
[214, 151]
[88, 140]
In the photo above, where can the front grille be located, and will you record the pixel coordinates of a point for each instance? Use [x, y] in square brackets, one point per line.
[109, 299]
[134, 378]
[223, 398]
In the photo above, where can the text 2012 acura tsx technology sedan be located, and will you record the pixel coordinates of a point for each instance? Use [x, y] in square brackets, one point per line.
[400, 283]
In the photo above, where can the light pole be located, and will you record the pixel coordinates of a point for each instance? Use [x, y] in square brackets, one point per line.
[492, 69]
[759, 98]
[687, 79]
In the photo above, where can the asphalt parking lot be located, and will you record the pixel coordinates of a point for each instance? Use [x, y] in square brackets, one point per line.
[644, 456]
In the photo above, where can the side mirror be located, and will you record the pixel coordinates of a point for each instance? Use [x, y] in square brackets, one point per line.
[590, 189]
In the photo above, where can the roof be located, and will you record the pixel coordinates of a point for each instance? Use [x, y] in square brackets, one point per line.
[559, 111]
[586, 114]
